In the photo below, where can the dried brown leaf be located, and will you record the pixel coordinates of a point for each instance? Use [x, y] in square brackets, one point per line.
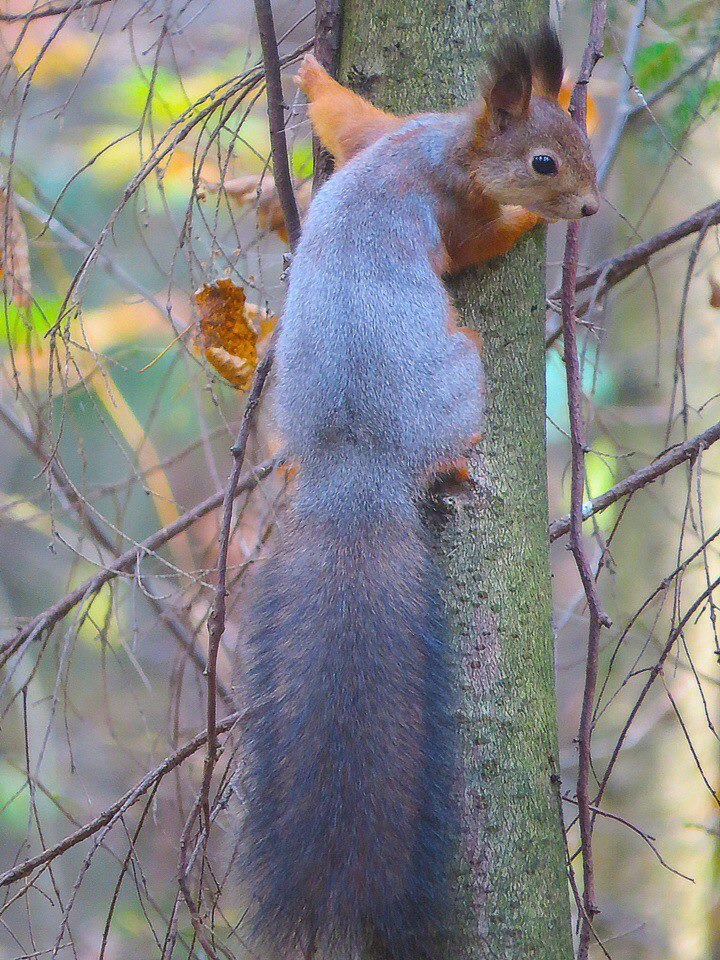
[231, 330]
[14, 254]
[714, 293]
[260, 192]
[236, 370]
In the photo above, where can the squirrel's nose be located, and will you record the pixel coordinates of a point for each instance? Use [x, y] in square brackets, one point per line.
[590, 206]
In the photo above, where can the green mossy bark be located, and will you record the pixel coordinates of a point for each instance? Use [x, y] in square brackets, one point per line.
[410, 55]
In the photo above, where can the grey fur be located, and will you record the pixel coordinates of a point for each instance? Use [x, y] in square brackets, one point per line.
[366, 364]
[349, 748]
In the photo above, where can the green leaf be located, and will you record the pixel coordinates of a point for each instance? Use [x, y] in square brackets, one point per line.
[302, 160]
[656, 63]
[600, 476]
[15, 324]
[14, 802]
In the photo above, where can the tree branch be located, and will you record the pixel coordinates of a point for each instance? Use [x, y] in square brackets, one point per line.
[654, 672]
[51, 10]
[641, 109]
[615, 269]
[578, 110]
[118, 808]
[276, 118]
[662, 464]
[608, 273]
[217, 619]
[622, 107]
[284, 187]
[125, 562]
[74, 501]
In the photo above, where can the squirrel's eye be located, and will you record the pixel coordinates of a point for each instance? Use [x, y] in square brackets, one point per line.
[543, 164]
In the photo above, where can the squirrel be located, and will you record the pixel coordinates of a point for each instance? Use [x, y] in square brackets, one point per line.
[350, 761]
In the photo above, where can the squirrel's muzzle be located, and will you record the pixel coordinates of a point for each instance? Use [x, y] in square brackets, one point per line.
[590, 206]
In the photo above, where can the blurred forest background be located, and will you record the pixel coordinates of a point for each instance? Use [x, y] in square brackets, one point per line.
[121, 122]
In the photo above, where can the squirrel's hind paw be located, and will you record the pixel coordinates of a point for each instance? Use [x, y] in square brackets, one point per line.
[310, 74]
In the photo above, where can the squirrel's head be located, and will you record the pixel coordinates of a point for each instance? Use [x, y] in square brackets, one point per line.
[527, 150]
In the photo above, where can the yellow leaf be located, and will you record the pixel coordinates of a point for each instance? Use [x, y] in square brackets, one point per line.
[64, 58]
[230, 330]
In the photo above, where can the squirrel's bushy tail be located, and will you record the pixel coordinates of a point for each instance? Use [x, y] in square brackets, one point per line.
[348, 751]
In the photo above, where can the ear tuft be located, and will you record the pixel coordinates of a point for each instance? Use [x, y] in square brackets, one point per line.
[546, 57]
[510, 84]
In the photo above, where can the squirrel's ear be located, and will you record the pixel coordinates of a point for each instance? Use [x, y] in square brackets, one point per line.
[546, 58]
[507, 93]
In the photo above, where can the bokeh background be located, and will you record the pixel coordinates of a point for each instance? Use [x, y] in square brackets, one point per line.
[120, 121]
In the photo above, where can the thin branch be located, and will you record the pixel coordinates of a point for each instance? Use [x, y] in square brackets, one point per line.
[641, 109]
[283, 185]
[661, 465]
[622, 108]
[654, 672]
[608, 273]
[276, 117]
[578, 110]
[618, 268]
[288, 204]
[126, 561]
[51, 10]
[650, 841]
[217, 619]
[230, 91]
[72, 499]
[75, 241]
[679, 372]
[120, 806]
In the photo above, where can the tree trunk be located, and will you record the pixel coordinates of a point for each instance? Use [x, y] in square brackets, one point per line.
[410, 55]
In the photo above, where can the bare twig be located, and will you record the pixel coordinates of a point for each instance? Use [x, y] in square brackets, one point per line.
[283, 184]
[654, 672]
[126, 561]
[622, 108]
[662, 464]
[615, 269]
[649, 840]
[679, 372]
[75, 241]
[276, 117]
[51, 10]
[75, 502]
[120, 806]
[641, 109]
[217, 620]
[231, 91]
[608, 273]
[578, 109]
